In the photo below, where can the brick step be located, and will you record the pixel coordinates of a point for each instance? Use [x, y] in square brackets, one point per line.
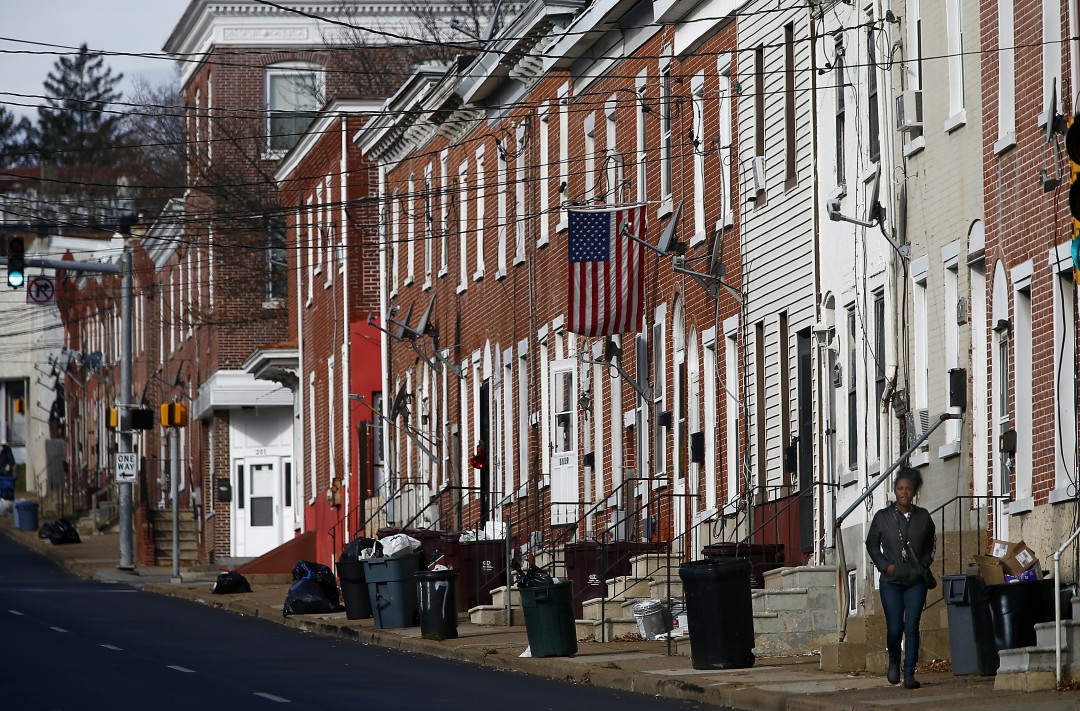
[493, 615]
[605, 630]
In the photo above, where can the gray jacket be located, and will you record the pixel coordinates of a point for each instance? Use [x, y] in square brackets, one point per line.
[885, 545]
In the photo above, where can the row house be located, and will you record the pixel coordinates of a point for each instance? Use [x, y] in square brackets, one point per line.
[1027, 434]
[328, 264]
[503, 414]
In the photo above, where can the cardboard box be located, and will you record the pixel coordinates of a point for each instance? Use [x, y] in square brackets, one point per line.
[991, 569]
[1016, 557]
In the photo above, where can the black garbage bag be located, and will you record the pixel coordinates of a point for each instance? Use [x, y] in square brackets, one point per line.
[321, 575]
[351, 552]
[229, 582]
[59, 532]
[533, 577]
[306, 597]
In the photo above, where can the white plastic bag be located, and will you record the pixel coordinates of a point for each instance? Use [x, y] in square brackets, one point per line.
[399, 544]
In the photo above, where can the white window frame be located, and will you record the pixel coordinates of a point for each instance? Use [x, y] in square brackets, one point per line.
[700, 148]
[519, 197]
[463, 225]
[543, 167]
[589, 157]
[920, 329]
[950, 260]
[286, 69]
[410, 231]
[563, 104]
[1006, 78]
[727, 95]
[665, 109]
[501, 187]
[1065, 419]
[478, 199]
[954, 27]
[1023, 405]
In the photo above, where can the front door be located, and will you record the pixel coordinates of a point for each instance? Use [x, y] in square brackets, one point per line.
[564, 479]
[258, 506]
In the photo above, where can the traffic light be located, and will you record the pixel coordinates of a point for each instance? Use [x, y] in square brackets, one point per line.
[20, 406]
[174, 414]
[112, 419]
[1072, 147]
[16, 263]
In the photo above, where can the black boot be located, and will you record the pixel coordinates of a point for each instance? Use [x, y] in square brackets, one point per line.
[910, 682]
[893, 672]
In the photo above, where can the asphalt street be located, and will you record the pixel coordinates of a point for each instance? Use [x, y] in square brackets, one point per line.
[76, 644]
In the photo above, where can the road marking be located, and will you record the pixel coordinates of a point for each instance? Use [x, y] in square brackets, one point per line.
[58, 629]
[114, 648]
[272, 697]
[16, 612]
[182, 669]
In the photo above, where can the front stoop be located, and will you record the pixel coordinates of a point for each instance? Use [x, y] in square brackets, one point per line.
[796, 612]
[1033, 668]
[1025, 681]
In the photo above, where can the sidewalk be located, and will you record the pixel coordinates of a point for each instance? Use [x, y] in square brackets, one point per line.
[774, 684]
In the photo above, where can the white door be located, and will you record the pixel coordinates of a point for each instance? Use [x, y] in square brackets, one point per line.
[258, 505]
[564, 478]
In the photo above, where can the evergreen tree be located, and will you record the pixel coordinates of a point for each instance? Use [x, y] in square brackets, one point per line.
[14, 136]
[74, 127]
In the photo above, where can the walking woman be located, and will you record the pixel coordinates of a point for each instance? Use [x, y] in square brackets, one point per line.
[901, 543]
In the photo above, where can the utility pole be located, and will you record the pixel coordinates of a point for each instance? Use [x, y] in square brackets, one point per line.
[124, 270]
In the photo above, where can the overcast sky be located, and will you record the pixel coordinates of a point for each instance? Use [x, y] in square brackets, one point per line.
[139, 26]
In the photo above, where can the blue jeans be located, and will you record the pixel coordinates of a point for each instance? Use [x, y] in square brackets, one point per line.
[903, 605]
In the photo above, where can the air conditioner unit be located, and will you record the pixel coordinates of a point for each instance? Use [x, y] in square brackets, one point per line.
[922, 424]
[909, 110]
[758, 169]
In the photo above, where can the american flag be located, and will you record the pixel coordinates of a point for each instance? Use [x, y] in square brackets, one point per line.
[607, 272]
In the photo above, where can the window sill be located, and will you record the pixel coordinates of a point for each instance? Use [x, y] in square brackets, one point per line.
[956, 121]
[914, 146]
[545, 481]
[328, 283]
[270, 305]
[665, 207]
[839, 192]
[848, 478]
[542, 242]
[564, 223]
[919, 459]
[698, 238]
[410, 280]
[948, 450]
[659, 481]
[1005, 143]
[519, 260]
[461, 289]
[500, 275]
[1021, 506]
[427, 284]
[478, 275]
[442, 272]
[1061, 496]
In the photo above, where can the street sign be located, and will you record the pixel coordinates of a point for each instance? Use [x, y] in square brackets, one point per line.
[127, 467]
[41, 290]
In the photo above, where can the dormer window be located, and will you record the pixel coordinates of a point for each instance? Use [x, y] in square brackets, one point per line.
[294, 93]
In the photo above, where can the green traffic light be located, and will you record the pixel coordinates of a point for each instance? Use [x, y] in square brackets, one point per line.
[15, 279]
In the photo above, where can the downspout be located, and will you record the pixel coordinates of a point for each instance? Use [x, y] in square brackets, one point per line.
[346, 332]
[815, 191]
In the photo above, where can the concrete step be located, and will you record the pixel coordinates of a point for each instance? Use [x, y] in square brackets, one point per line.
[492, 615]
[627, 586]
[659, 589]
[1070, 634]
[804, 576]
[776, 599]
[1027, 659]
[600, 607]
[654, 565]
[843, 656]
[498, 596]
[866, 628]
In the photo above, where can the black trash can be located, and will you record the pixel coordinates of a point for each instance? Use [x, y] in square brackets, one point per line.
[1018, 607]
[719, 613]
[971, 637]
[354, 589]
[437, 593]
[549, 619]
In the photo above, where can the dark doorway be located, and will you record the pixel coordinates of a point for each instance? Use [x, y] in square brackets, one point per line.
[485, 437]
[806, 440]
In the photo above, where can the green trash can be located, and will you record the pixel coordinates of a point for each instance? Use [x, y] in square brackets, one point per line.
[549, 619]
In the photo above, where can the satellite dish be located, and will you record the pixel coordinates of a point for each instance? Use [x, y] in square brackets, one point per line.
[872, 195]
[399, 403]
[424, 323]
[403, 326]
[667, 238]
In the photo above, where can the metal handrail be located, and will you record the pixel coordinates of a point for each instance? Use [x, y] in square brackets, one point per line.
[1057, 603]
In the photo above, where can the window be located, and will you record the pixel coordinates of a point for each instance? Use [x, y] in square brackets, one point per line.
[952, 334]
[1022, 363]
[642, 164]
[852, 391]
[980, 393]
[954, 24]
[921, 365]
[697, 88]
[1064, 378]
[590, 157]
[841, 111]
[790, 174]
[429, 227]
[732, 410]
[277, 264]
[544, 177]
[759, 102]
[727, 96]
[463, 222]
[564, 153]
[410, 231]
[444, 210]
[501, 187]
[1051, 51]
[395, 247]
[478, 196]
[879, 365]
[293, 94]
[613, 163]
[872, 119]
[1006, 79]
[519, 196]
[667, 108]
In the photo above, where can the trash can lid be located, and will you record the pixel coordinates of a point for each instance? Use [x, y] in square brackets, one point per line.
[646, 607]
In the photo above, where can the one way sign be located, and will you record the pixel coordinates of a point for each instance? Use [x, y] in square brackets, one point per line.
[126, 467]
